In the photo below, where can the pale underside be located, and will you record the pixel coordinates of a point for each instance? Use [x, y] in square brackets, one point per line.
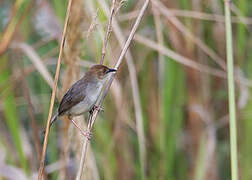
[92, 94]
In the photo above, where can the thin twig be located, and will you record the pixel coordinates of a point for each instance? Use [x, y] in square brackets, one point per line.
[238, 13]
[108, 32]
[192, 14]
[92, 25]
[101, 99]
[51, 61]
[183, 29]
[36, 60]
[30, 110]
[189, 62]
[121, 106]
[135, 90]
[179, 58]
[42, 161]
[72, 71]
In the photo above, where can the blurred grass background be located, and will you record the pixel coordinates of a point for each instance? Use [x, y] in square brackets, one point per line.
[184, 110]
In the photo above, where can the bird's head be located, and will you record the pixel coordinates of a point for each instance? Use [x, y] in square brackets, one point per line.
[99, 72]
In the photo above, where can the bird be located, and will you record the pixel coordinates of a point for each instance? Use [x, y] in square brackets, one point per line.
[81, 97]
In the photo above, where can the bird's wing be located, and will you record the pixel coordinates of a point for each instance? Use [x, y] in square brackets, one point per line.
[73, 96]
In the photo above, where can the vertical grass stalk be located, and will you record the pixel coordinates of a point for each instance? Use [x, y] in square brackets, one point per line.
[45, 143]
[231, 93]
[101, 99]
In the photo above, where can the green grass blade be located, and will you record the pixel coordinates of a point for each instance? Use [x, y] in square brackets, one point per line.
[173, 101]
[10, 113]
[231, 93]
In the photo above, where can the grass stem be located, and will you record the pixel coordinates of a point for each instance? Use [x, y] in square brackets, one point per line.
[231, 93]
[42, 161]
[100, 101]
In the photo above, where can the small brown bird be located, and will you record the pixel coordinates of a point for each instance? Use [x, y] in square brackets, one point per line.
[83, 94]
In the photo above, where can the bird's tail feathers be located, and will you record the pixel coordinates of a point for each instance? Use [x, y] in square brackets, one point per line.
[54, 118]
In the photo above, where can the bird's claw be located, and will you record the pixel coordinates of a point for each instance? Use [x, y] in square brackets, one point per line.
[98, 108]
[87, 134]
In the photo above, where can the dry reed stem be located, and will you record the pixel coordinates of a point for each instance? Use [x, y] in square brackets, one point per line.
[183, 29]
[238, 13]
[121, 105]
[31, 68]
[160, 40]
[179, 58]
[13, 25]
[86, 63]
[192, 14]
[71, 55]
[161, 68]
[123, 112]
[92, 25]
[42, 42]
[189, 62]
[51, 53]
[42, 161]
[108, 32]
[30, 110]
[101, 99]
[135, 89]
[35, 59]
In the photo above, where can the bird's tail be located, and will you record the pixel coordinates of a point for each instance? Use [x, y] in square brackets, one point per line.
[55, 117]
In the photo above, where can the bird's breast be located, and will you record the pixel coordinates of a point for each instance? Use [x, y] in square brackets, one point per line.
[92, 93]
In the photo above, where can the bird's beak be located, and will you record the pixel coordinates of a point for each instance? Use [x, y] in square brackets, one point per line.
[112, 70]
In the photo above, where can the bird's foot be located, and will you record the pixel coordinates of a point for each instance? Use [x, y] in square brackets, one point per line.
[87, 134]
[98, 108]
